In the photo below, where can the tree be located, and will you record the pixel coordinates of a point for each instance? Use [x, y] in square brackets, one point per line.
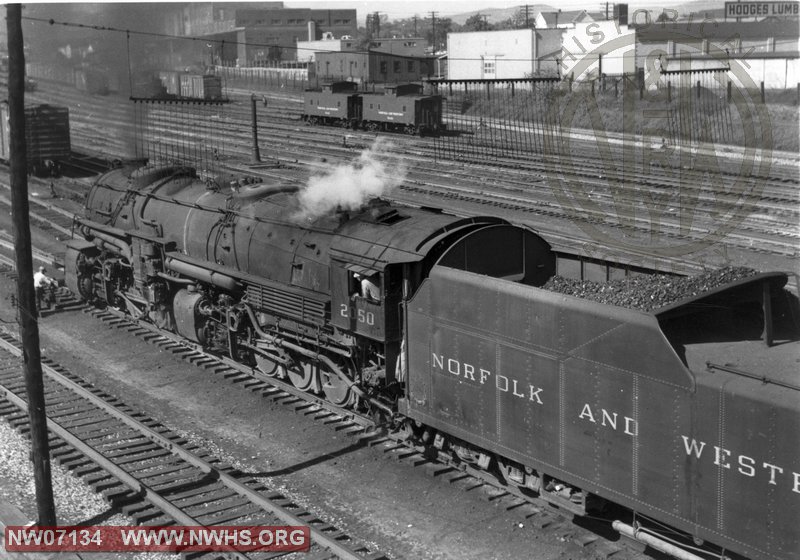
[442, 27]
[477, 22]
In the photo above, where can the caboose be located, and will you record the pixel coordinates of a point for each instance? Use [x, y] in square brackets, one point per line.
[337, 103]
[402, 108]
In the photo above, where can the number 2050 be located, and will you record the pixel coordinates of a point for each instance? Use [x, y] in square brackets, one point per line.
[362, 316]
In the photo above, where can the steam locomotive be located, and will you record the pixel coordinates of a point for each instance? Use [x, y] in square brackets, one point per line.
[687, 415]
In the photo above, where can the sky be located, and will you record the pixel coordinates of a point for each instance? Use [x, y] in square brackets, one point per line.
[395, 9]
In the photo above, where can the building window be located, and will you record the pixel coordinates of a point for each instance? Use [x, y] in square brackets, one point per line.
[276, 22]
[397, 67]
[411, 66]
[384, 67]
[488, 68]
[410, 44]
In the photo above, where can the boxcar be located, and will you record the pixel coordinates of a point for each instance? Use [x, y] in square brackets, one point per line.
[199, 86]
[46, 136]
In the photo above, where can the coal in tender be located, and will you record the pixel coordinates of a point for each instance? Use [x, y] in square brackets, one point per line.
[648, 292]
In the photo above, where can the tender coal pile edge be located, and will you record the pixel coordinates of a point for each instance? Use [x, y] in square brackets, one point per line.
[647, 292]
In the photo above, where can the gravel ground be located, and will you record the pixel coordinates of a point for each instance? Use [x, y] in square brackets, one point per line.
[400, 509]
[75, 500]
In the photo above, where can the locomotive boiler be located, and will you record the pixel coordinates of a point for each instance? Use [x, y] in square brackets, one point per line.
[687, 414]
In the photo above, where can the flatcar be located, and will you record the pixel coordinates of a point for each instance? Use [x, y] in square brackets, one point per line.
[688, 415]
[47, 137]
[400, 108]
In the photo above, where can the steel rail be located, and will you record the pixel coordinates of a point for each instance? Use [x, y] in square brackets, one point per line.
[354, 417]
[227, 480]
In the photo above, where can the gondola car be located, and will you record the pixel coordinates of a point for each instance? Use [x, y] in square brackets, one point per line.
[688, 415]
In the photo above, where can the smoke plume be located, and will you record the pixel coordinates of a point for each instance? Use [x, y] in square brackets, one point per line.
[350, 186]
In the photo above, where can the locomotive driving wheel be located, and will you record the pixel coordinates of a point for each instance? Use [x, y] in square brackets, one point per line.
[304, 375]
[268, 367]
[336, 389]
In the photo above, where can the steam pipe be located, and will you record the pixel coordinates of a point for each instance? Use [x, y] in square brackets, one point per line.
[262, 190]
[653, 541]
[186, 281]
[118, 244]
[315, 356]
[203, 274]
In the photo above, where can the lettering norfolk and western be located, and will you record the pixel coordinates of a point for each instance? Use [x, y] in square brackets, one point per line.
[745, 465]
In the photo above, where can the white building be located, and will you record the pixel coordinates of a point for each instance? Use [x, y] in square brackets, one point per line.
[599, 47]
[306, 49]
[502, 55]
[561, 19]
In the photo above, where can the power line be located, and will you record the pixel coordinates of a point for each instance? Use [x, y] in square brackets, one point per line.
[130, 32]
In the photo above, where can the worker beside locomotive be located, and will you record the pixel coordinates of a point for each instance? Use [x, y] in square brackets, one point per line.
[688, 414]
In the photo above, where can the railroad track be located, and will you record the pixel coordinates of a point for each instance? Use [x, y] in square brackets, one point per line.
[771, 230]
[398, 446]
[150, 472]
[417, 453]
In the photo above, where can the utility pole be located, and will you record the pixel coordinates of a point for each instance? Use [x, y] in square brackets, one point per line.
[376, 24]
[433, 24]
[26, 293]
[256, 157]
[527, 8]
[415, 24]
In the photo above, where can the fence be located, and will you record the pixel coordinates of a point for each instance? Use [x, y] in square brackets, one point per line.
[496, 118]
[179, 132]
[489, 119]
[261, 77]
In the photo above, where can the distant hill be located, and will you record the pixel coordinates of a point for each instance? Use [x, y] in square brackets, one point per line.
[496, 15]
[700, 7]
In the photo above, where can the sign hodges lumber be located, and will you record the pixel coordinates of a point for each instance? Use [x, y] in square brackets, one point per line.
[761, 9]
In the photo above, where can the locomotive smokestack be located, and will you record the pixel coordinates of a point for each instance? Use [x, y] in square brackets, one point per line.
[350, 186]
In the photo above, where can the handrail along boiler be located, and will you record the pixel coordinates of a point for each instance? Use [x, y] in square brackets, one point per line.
[576, 401]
